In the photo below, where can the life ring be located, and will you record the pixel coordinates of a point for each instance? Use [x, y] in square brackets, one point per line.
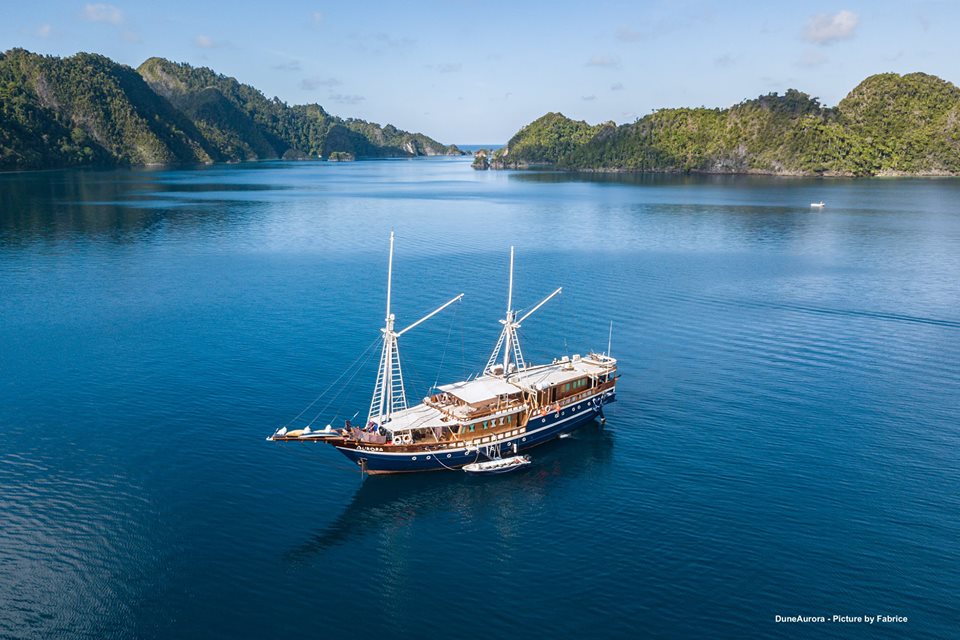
[406, 438]
[397, 440]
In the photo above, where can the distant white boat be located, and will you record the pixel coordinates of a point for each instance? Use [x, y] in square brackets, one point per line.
[818, 205]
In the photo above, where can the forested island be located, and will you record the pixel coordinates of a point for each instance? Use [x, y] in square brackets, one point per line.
[87, 110]
[888, 125]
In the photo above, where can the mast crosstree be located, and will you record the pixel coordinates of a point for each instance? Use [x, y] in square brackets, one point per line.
[389, 395]
[509, 341]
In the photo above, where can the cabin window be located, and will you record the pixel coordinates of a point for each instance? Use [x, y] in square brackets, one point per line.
[472, 428]
[509, 419]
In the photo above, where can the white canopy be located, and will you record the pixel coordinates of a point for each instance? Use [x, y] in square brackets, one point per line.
[480, 389]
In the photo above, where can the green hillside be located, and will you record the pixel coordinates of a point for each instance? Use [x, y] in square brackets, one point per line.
[86, 110]
[888, 125]
[245, 124]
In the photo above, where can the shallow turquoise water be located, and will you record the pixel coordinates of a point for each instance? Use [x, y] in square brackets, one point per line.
[785, 442]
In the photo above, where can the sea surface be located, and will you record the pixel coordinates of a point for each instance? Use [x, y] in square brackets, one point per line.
[786, 441]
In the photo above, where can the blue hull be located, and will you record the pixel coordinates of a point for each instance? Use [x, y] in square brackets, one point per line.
[539, 429]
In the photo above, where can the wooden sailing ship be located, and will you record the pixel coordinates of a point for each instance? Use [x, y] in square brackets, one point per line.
[510, 407]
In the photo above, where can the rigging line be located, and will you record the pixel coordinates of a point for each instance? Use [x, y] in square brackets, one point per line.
[443, 355]
[343, 387]
[410, 373]
[330, 386]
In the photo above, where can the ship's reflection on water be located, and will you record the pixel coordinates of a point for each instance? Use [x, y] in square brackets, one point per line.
[385, 505]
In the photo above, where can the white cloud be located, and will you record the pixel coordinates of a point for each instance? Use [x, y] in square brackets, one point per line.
[289, 65]
[204, 42]
[609, 62]
[826, 28]
[102, 13]
[346, 99]
[394, 42]
[673, 21]
[811, 59]
[317, 17]
[312, 84]
[626, 34]
[616, 86]
[724, 60]
[44, 31]
[589, 98]
[452, 67]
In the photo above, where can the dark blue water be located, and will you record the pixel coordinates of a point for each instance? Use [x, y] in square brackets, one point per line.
[785, 442]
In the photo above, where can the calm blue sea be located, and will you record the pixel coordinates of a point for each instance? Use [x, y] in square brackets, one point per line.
[786, 440]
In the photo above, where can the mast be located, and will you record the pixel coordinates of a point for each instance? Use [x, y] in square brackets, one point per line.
[509, 339]
[508, 323]
[389, 395]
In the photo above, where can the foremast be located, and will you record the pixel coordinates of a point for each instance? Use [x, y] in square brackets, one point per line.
[389, 395]
[509, 342]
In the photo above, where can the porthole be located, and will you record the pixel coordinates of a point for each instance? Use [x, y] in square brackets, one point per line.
[428, 457]
[449, 454]
[543, 420]
[414, 458]
[524, 439]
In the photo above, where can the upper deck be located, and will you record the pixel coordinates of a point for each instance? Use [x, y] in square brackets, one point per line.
[491, 396]
[563, 371]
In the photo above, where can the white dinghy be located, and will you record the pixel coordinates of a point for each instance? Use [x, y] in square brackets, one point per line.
[497, 465]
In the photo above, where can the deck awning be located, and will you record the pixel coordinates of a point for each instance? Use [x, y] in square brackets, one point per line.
[479, 390]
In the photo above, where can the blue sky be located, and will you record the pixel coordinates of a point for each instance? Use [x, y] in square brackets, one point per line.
[469, 71]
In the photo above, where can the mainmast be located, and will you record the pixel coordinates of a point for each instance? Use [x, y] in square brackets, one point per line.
[508, 325]
[509, 340]
[389, 395]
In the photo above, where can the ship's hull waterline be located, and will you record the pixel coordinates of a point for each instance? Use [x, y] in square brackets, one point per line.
[539, 429]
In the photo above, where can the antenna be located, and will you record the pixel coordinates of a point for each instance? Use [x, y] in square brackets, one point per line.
[610, 337]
